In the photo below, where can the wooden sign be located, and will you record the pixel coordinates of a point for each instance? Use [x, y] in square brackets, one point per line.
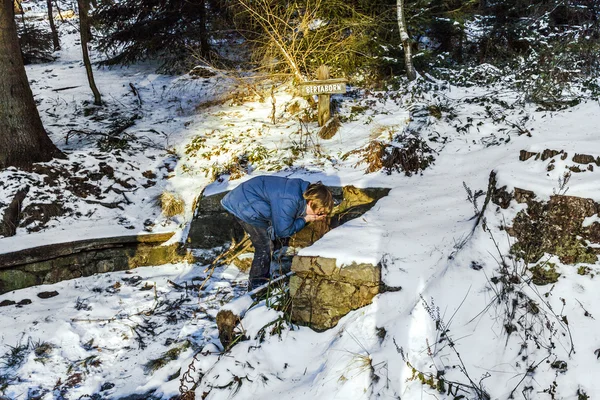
[324, 88]
[328, 86]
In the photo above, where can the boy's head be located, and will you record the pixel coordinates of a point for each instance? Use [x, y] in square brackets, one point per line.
[319, 197]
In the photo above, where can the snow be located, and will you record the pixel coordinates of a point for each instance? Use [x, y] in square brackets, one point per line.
[449, 319]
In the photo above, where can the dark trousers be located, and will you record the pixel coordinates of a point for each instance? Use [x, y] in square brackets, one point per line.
[263, 250]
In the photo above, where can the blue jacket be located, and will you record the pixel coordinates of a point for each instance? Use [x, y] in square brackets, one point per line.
[269, 201]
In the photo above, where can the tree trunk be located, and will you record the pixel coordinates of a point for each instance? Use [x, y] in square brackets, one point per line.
[23, 139]
[84, 31]
[55, 41]
[410, 69]
[204, 44]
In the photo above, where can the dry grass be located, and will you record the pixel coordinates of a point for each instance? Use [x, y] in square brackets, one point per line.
[243, 262]
[379, 130]
[294, 108]
[373, 156]
[171, 204]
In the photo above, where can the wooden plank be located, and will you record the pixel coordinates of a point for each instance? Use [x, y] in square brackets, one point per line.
[323, 81]
[321, 87]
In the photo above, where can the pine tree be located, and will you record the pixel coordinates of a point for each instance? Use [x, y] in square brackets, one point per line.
[169, 30]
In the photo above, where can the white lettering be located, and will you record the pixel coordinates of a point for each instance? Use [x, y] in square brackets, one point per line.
[327, 88]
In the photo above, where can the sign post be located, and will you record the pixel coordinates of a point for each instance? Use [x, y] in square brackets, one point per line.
[324, 88]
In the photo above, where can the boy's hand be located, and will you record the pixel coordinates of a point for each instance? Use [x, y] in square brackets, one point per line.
[314, 217]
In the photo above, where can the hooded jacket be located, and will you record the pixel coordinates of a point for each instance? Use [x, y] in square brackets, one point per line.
[270, 202]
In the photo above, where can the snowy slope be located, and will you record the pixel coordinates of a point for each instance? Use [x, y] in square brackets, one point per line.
[421, 233]
[444, 335]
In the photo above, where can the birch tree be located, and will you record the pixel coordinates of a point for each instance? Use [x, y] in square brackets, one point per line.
[411, 73]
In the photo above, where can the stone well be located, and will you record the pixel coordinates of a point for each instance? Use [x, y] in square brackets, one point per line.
[323, 292]
[213, 226]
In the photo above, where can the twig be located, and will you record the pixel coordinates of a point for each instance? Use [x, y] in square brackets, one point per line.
[113, 205]
[136, 93]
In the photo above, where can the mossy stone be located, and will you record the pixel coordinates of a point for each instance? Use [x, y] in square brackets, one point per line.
[555, 228]
[572, 251]
[13, 279]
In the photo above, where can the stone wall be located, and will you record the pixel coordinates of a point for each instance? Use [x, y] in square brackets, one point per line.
[58, 262]
[322, 292]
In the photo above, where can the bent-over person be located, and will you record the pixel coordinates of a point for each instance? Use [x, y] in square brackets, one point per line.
[271, 207]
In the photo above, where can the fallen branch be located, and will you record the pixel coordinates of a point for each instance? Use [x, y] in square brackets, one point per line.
[65, 88]
[116, 204]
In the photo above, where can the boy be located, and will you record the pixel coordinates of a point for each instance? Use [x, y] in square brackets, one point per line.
[270, 207]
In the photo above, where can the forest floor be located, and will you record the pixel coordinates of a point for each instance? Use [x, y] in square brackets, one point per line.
[132, 335]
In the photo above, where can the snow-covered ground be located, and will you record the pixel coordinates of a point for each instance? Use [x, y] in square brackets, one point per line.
[451, 331]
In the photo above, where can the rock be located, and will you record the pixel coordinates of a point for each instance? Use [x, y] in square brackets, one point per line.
[213, 229]
[523, 196]
[584, 159]
[322, 292]
[592, 233]
[525, 155]
[568, 212]
[106, 386]
[226, 322]
[13, 279]
[24, 302]
[501, 197]
[546, 154]
[5, 303]
[555, 228]
[47, 295]
[158, 255]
